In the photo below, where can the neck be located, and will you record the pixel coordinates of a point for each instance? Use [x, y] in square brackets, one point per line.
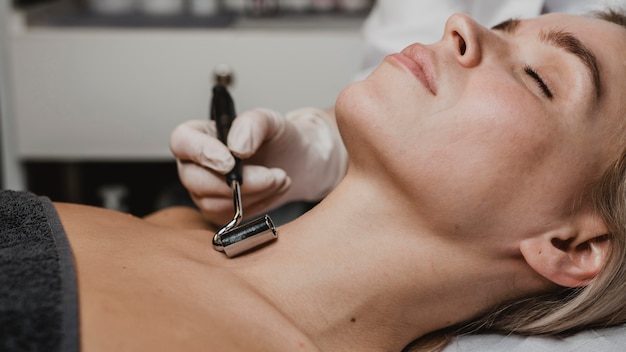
[353, 275]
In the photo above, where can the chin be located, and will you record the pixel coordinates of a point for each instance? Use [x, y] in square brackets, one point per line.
[355, 105]
[360, 99]
[358, 109]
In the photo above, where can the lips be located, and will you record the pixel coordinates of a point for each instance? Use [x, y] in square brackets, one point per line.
[419, 61]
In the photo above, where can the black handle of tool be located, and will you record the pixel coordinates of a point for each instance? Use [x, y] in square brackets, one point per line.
[223, 113]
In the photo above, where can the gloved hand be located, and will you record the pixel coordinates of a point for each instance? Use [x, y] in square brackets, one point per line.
[299, 157]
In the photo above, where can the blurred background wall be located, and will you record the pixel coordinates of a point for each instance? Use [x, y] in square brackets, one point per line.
[91, 89]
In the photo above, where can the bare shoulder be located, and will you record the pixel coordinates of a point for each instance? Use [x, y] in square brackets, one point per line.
[147, 287]
[180, 217]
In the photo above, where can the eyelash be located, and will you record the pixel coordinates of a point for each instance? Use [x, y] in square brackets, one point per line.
[542, 85]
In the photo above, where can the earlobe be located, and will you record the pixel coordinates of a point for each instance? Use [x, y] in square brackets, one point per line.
[569, 257]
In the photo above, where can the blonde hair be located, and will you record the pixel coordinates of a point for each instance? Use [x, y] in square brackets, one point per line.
[597, 305]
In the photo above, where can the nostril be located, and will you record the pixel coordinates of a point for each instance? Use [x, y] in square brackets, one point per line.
[462, 46]
[460, 43]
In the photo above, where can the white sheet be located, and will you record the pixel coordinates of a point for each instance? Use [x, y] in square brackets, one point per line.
[598, 340]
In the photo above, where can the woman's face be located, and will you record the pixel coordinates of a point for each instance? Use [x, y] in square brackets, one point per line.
[513, 122]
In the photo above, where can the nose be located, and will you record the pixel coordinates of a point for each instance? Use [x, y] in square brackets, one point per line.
[464, 35]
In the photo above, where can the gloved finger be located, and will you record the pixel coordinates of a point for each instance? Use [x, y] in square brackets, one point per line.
[195, 141]
[257, 180]
[261, 187]
[201, 182]
[219, 210]
[208, 190]
[258, 203]
[265, 190]
[253, 127]
[262, 180]
[264, 204]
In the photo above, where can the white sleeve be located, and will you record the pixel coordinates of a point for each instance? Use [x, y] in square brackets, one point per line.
[491, 12]
[580, 7]
[392, 25]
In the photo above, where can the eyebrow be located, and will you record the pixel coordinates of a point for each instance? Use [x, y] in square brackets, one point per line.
[507, 26]
[566, 41]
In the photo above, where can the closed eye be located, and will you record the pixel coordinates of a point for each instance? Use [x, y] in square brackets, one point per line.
[540, 82]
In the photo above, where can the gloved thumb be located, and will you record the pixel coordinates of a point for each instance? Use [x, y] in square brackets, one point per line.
[252, 128]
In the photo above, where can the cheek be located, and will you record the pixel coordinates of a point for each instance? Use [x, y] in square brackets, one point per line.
[498, 121]
[485, 140]
[477, 136]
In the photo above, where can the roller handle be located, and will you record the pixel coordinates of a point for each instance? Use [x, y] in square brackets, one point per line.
[223, 113]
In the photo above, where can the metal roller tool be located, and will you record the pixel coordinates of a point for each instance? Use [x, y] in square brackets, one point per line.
[234, 239]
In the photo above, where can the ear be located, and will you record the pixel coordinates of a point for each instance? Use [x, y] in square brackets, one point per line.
[571, 255]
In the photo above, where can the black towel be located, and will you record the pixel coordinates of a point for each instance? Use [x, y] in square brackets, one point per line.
[38, 298]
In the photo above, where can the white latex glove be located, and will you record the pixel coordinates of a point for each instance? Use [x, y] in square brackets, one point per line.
[299, 157]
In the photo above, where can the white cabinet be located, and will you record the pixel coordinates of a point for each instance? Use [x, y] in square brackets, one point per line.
[116, 94]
